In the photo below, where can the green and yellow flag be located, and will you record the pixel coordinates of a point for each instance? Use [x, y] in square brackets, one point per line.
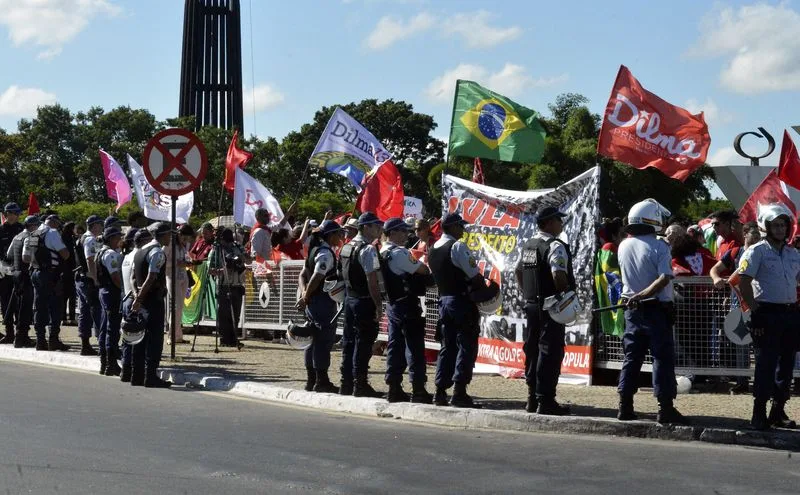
[488, 125]
[608, 285]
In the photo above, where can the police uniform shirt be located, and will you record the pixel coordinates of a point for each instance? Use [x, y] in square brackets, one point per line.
[112, 261]
[127, 271]
[775, 273]
[368, 257]
[556, 257]
[52, 241]
[323, 259]
[402, 261]
[642, 259]
[460, 256]
[19, 238]
[7, 234]
[155, 258]
[90, 245]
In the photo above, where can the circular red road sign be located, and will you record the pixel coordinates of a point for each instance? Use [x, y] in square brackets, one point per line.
[175, 162]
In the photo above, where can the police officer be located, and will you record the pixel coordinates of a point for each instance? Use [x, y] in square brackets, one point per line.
[151, 287]
[545, 270]
[227, 263]
[456, 273]
[86, 283]
[112, 221]
[320, 309]
[140, 238]
[363, 309]
[405, 280]
[770, 271]
[23, 290]
[109, 278]
[45, 251]
[646, 266]
[8, 231]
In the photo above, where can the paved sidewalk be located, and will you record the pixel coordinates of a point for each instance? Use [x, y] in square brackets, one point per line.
[276, 372]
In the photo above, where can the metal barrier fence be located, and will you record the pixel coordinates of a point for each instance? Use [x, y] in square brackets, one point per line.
[701, 346]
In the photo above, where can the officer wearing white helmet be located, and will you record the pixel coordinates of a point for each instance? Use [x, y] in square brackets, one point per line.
[545, 270]
[646, 266]
[405, 279]
[770, 270]
[320, 308]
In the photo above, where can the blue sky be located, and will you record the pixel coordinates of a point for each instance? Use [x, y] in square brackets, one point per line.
[738, 61]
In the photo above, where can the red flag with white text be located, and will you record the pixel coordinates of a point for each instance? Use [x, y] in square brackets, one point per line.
[789, 163]
[771, 190]
[642, 130]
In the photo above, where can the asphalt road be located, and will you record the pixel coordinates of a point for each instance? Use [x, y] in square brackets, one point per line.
[70, 432]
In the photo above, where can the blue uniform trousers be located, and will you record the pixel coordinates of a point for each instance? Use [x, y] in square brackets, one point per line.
[24, 289]
[544, 351]
[110, 321]
[89, 304]
[8, 302]
[774, 350]
[360, 333]
[460, 323]
[146, 355]
[649, 326]
[47, 299]
[320, 311]
[406, 341]
[127, 349]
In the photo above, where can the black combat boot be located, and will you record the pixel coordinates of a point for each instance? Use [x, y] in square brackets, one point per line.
[22, 341]
[533, 403]
[777, 416]
[41, 344]
[549, 407]
[311, 379]
[55, 344]
[125, 375]
[419, 395]
[9, 336]
[626, 412]
[323, 384]
[137, 377]
[103, 361]
[87, 349]
[440, 398]
[460, 397]
[346, 388]
[759, 420]
[362, 388]
[396, 393]
[112, 366]
[152, 380]
[667, 414]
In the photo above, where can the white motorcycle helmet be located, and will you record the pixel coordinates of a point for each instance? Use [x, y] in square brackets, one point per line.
[563, 308]
[769, 212]
[650, 213]
[300, 337]
[488, 299]
[335, 289]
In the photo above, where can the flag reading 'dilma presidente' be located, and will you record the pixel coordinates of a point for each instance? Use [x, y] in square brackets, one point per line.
[250, 195]
[348, 149]
[642, 130]
[157, 206]
[488, 125]
[117, 185]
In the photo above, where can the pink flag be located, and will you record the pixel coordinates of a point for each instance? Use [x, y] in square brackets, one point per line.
[117, 185]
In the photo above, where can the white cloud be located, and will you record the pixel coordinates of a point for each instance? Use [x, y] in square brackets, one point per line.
[474, 28]
[50, 24]
[760, 43]
[726, 156]
[23, 102]
[265, 97]
[390, 30]
[712, 112]
[511, 80]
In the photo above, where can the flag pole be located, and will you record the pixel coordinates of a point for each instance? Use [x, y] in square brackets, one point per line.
[302, 182]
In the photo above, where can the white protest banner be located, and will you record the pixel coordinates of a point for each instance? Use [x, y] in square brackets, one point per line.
[250, 195]
[157, 206]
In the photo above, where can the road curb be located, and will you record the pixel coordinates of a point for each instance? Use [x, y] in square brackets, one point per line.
[442, 416]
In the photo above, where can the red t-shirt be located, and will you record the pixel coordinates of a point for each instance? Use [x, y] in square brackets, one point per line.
[200, 249]
[725, 246]
[292, 249]
[695, 265]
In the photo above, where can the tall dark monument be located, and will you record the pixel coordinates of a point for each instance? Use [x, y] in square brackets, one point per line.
[211, 66]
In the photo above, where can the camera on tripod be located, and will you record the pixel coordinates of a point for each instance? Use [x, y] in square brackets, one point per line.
[234, 262]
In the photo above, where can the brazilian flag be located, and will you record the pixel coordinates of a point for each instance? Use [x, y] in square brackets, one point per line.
[488, 125]
[608, 285]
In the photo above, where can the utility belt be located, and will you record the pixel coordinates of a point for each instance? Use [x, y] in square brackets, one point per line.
[778, 307]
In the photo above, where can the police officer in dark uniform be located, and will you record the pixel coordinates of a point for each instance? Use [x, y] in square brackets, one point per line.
[23, 290]
[456, 273]
[109, 277]
[45, 251]
[141, 237]
[151, 286]
[363, 309]
[320, 309]
[10, 229]
[405, 280]
[86, 283]
[545, 270]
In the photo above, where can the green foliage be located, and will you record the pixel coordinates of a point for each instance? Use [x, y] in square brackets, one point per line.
[317, 205]
[699, 209]
[78, 212]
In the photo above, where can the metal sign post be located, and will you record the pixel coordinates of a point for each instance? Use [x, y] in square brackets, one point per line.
[174, 283]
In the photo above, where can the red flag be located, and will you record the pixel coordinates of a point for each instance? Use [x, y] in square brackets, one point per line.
[477, 172]
[789, 164]
[436, 229]
[33, 204]
[642, 130]
[382, 192]
[236, 158]
[771, 190]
